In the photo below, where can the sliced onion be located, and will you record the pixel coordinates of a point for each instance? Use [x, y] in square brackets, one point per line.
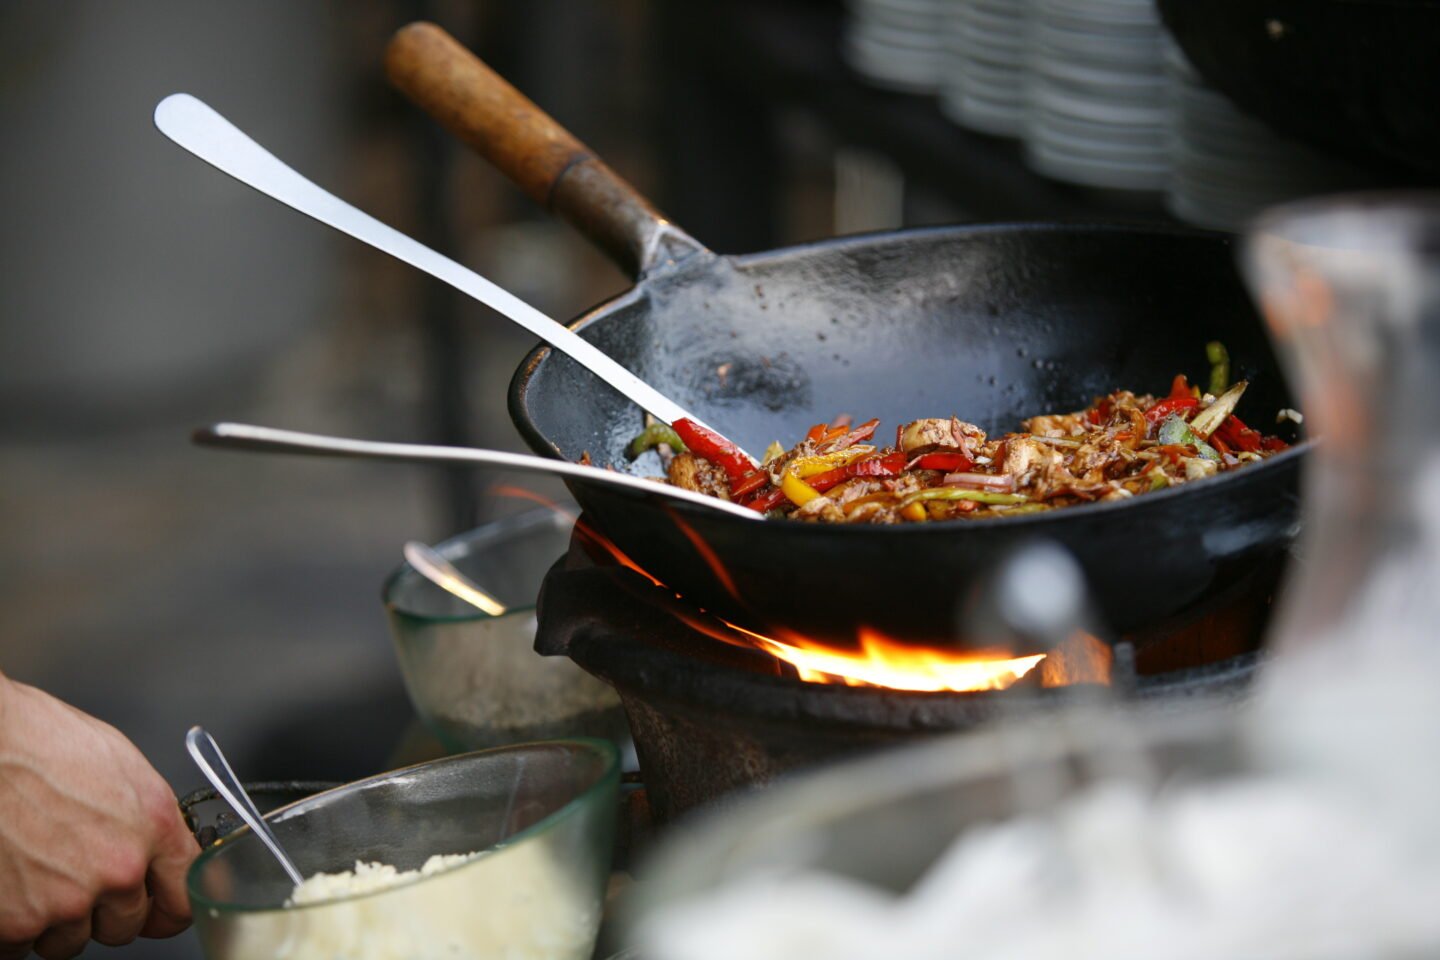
[981, 481]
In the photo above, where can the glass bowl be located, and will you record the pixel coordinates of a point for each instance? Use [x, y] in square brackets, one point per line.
[829, 851]
[543, 814]
[885, 819]
[475, 680]
[1162, 832]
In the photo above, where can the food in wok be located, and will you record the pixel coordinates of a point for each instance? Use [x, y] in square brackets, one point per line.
[1122, 445]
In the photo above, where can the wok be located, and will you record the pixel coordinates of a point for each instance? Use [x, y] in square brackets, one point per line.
[991, 323]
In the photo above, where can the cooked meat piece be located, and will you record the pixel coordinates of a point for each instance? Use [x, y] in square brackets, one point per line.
[1093, 459]
[1123, 401]
[907, 483]
[1058, 425]
[692, 473]
[855, 489]
[922, 436]
[821, 508]
[874, 513]
[1033, 463]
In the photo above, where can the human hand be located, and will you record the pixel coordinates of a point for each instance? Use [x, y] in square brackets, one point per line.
[92, 843]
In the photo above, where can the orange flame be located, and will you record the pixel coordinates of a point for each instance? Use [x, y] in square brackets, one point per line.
[884, 662]
[524, 493]
[880, 661]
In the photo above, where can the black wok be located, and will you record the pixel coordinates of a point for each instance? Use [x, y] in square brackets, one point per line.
[990, 323]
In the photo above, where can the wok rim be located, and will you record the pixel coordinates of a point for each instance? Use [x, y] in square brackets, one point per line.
[530, 433]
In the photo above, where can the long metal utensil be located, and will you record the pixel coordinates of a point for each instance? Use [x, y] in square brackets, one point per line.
[195, 126]
[207, 756]
[242, 436]
[448, 577]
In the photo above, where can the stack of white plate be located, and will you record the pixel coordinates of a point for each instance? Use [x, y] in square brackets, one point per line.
[1097, 96]
[1228, 166]
[898, 44]
[984, 86]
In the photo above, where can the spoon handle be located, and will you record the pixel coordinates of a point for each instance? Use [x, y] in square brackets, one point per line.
[446, 575]
[207, 756]
[193, 125]
[243, 436]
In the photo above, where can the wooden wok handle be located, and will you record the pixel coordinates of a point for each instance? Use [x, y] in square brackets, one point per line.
[558, 171]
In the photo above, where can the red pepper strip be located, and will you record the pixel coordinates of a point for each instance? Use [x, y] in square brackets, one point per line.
[1180, 388]
[1234, 432]
[706, 443]
[769, 501]
[1164, 408]
[1273, 444]
[1100, 412]
[890, 465]
[1173, 451]
[753, 482]
[816, 432]
[860, 434]
[949, 462]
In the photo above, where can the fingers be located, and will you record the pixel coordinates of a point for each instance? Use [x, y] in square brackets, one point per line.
[175, 849]
[64, 940]
[169, 904]
[118, 917]
[165, 920]
[15, 951]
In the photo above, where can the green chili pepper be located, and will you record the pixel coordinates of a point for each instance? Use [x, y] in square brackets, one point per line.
[1219, 359]
[1022, 508]
[654, 435]
[1177, 431]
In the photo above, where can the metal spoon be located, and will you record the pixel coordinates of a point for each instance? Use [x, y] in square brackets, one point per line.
[207, 756]
[241, 436]
[448, 577]
[195, 126]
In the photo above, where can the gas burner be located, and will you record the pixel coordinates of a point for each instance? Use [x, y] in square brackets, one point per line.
[713, 710]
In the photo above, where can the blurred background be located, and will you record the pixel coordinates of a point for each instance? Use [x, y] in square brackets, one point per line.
[156, 585]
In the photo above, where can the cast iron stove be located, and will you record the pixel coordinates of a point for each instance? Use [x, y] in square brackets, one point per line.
[712, 713]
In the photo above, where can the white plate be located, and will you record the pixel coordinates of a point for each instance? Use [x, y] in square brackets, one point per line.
[879, 36]
[1081, 105]
[990, 73]
[1063, 166]
[1125, 154]
[1099, 15]
[1141, 53]
[985, 116]
[895, 71]
[1084, 131]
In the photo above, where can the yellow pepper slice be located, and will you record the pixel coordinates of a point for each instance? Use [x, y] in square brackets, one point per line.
[914, 511]
[799, 492]
[810, 466]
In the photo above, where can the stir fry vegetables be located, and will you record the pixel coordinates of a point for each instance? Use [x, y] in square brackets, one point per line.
[1122, 445]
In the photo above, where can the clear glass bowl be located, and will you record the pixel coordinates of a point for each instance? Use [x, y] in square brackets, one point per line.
[545, 812]
[476, 680]
[886, 819]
